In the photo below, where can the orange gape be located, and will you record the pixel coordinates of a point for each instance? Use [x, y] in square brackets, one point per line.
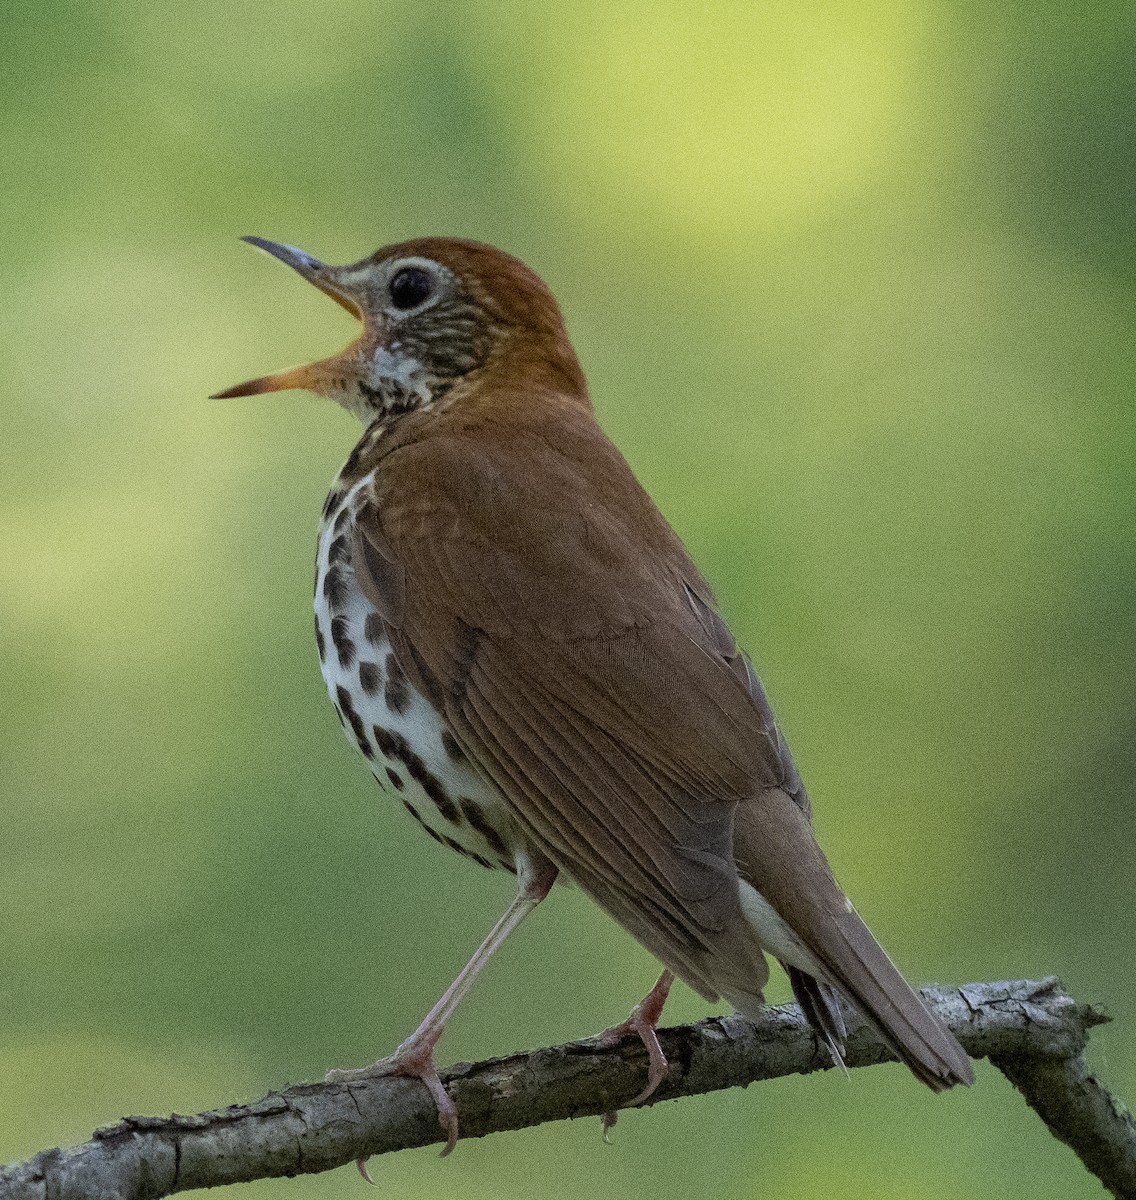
[527, 657]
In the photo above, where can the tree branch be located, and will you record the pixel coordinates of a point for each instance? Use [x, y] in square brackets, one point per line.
[1080, 1112]
[1033, 1031]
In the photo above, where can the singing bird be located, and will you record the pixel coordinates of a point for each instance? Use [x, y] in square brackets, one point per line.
[523, 650]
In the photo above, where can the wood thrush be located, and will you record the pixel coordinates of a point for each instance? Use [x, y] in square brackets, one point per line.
[521, 648]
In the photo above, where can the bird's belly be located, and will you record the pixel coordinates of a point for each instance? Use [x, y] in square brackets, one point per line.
[402, 737]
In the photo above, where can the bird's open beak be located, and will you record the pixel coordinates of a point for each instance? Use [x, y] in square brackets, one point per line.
[332, 282]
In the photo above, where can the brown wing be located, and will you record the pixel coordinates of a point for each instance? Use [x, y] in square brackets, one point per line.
[536, 594]
[531, 588]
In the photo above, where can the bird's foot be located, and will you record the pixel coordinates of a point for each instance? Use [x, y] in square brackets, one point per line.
[644, 1028]
[643, 1022]
[415, 1060]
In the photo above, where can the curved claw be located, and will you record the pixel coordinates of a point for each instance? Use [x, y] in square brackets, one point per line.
[657, 1065]
[607, 1124]
[447, 1112]
[414, 1062]
[642, 1022]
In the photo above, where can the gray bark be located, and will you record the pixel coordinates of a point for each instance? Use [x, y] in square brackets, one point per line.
[1033, 1031]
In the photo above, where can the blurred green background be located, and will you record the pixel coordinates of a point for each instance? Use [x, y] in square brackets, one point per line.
[854, 284]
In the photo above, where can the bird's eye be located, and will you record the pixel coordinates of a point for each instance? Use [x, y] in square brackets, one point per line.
[410, 287]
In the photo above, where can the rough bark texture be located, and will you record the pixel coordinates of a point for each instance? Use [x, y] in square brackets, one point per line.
[1081, 1112]
[1033, 1031]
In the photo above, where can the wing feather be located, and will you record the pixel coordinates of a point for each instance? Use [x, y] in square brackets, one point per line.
[531, 589]
[575, 673]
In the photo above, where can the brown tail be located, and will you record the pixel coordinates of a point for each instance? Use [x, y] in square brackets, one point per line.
[821, 1006]
[778, 855]
[861, 969]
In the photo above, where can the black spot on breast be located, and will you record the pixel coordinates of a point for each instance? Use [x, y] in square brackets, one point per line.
[396, 779]
[451, 747]
[477, 819]
[369, 677]
[433, 787]
[396, 694]
[373, 629]
[347, 713]
[341, 640]
[335, 588]
[319, 641]
[394, 746]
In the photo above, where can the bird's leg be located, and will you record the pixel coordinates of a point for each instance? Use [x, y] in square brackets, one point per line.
[415, 1056]
[643, 1021]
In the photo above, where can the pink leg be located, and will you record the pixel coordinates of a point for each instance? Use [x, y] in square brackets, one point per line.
[415, 1056]
[643, 1020]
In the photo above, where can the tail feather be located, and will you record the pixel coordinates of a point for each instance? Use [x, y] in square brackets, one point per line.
[778, 856]
[821, 1007]
[907, 1026]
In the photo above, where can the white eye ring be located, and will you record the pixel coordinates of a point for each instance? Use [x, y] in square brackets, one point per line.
[414, 284]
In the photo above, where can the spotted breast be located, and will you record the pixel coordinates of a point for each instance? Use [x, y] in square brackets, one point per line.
[394, 726]
[490, 567]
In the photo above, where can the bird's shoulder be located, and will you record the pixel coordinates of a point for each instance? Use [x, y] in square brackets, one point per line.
[532, 476]
[535, 594]
[522, 528]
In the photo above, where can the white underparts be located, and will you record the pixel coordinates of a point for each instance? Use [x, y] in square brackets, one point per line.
[393, 725]
[389, 371]
[774, 934]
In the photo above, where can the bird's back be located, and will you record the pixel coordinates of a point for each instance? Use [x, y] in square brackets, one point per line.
[579, 658]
